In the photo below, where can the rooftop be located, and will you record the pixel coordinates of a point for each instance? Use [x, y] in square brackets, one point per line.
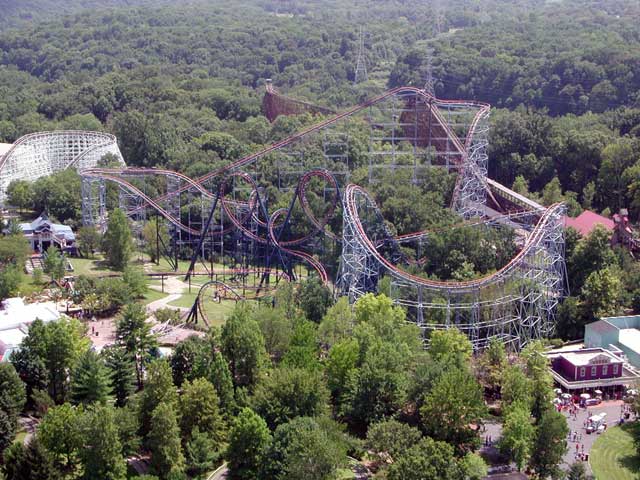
[587, 221]
[603, 326]
[42, 223]
[590, 356]
[14, 313]
[630, 338]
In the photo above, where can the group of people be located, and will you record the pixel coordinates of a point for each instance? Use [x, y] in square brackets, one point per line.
[580, 456]
[625, 413]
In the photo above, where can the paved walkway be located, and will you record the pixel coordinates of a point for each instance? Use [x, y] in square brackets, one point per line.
[102, 332]
[29, 425]
[174, 287]
[584, 440]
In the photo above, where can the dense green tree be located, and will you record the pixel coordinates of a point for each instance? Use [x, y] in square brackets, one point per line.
[550, 444]
[101, 452]
[340, 365]
[492, 363]
[117, 244]
[55, 263]
[426, 460]
[134, 334]
[30, 462]
[305, 448]
[379, 387]
[10, 279]
[248, 441]
[188, 358]
[20, 194]
[616, 159]
[577, 471]
[303, 349]
[122, 373]
[451, 347]
[602, 293]
[338, 322]
[473, 467]
[199, 408]
[60, 434]
[450, 409]
[155, 235]
[7, 430]
[537, 368]
[517, 434]
[88, 240]
[315, 299]
[14, 248]
[164, 441]
[243, 346]
[201, 453]
[32, 371]
[589, 255]
[276, 328]
[136, 282]
[158, 389]
[128, 423]
[220, 376]
[571, 319]
[516, 387]
[391, 437]
[12, 391]
[59, 195]
[288, 393]
[552, 192]
[58, 345]
[90, 380]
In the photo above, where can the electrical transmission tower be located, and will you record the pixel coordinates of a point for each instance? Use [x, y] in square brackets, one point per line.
[438, 17]
[361, 63]
[429, 84]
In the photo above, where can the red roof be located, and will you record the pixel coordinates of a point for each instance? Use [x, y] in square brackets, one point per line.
[587, 221]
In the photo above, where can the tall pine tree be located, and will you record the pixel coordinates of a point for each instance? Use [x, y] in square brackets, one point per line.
[123, 373]
[101, 454]
[91, 381]
[117, 244]
[164, 441]
[30, 462]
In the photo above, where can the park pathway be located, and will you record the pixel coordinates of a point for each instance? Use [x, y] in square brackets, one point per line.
[175, 288]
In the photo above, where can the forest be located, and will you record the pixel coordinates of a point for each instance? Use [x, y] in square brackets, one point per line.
[180, 84]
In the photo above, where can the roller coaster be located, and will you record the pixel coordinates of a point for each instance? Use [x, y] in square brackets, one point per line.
[293, 204]
[41, 154]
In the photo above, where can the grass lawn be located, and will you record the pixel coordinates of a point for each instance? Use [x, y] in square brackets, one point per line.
[613, 456]
[152, 296]
[217, 313]
[90, 267]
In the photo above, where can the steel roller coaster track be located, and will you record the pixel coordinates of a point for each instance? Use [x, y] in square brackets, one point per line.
[516, 303]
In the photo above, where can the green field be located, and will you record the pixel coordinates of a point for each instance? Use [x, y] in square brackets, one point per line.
[217, 313]
[153, 295]
[614, 456]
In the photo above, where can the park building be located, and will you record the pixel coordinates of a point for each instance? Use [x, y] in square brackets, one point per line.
[15, 319]
[586, 369]
[619, 334]
[43, 233]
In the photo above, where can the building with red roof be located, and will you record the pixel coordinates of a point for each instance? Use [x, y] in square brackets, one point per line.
[587, 221]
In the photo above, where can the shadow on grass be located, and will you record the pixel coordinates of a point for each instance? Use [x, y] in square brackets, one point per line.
[631, 462]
